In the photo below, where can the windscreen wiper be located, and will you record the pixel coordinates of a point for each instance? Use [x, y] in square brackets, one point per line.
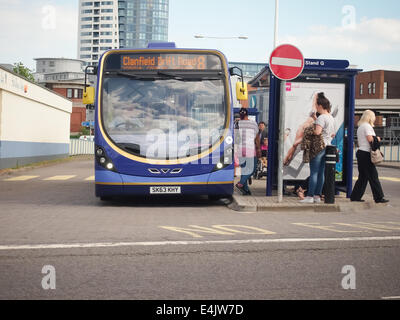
[191, 76]
[202, 78]
[131, 147]
[170, 75]
[132, 76]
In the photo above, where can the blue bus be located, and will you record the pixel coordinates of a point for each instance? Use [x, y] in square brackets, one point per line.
[163, 122]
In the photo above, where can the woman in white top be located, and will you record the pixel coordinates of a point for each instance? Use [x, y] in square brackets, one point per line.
[366, 169]
[325, 126]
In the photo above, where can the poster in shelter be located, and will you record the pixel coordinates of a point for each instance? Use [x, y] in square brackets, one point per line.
[299, 104]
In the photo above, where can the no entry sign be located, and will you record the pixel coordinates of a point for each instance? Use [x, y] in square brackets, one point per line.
[286, 62]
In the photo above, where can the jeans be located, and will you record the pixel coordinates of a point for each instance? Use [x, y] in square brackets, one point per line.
[317, 175]
[248, 166]
[366, 173]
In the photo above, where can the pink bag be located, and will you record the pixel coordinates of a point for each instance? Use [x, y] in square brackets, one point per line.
[236, 158]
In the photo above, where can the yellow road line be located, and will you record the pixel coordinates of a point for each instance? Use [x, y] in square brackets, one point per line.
[390, 179]
[194, 230]
[317, 225]
[366, 226]
[22, 178]
[384, 178]
[59, 178]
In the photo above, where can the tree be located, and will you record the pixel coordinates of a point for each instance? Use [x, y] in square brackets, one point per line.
[23, 71]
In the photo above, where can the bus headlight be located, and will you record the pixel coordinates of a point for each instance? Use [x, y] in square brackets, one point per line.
[110, 166]
[225, 161]
[103, 160]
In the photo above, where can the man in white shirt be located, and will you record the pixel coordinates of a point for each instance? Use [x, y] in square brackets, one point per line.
[249, 149]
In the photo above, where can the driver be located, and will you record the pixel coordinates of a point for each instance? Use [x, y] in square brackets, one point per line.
[125, 117]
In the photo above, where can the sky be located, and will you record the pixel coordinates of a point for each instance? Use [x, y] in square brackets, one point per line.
[367, 33]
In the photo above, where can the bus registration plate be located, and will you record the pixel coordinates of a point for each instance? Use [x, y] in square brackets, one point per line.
[165, 190]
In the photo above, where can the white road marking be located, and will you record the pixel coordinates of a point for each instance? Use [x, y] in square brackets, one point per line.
[59, 178]
[287, 62]
[184, 243]
[90, 178]
[22, 178]
[391, 298]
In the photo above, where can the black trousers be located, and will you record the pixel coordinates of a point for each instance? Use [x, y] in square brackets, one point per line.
[366, 173]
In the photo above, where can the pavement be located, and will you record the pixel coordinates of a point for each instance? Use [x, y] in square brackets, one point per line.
[258, 202]
[390, 164]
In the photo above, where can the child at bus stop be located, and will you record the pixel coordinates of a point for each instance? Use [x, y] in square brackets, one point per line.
[263, 143]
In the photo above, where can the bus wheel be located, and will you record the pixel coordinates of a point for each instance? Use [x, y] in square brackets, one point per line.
[105, 198]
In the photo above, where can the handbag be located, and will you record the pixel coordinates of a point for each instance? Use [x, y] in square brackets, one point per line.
[376, 156]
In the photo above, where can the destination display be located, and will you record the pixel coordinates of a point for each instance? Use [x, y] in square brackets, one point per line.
[168, 61]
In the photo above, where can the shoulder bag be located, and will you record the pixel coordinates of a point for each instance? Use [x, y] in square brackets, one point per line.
[376, 154]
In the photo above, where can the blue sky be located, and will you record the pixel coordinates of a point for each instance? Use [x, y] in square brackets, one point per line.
[367, 33]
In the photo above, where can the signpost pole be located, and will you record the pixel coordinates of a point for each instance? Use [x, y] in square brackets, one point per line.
[286, 63]
[281, 141]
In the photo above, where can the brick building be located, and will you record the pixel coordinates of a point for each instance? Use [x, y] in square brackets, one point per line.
[379, 84]
[379, 91]
[64, 76]
[72, 91]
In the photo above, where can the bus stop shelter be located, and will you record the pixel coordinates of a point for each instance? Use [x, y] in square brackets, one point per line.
[337, 81]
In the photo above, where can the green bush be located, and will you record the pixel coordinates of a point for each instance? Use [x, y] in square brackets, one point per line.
[84, 131]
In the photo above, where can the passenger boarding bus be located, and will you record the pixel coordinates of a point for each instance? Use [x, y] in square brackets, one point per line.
[163, 122]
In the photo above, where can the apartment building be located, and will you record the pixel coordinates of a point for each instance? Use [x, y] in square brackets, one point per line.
[105, 25]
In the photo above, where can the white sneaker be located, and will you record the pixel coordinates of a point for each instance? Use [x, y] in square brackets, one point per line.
[307, 200]
[317, 200]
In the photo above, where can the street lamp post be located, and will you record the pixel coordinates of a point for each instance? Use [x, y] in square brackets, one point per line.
[276, 23]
